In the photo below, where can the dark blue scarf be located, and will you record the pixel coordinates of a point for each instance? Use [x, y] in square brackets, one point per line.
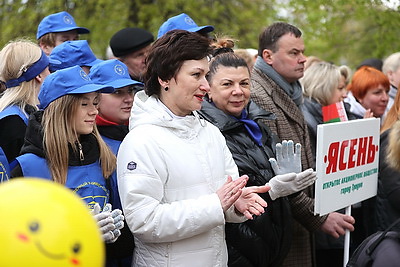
[252, 127]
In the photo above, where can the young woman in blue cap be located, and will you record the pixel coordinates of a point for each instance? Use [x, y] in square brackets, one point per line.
[112, 123]
[62, 143]
[23, 67]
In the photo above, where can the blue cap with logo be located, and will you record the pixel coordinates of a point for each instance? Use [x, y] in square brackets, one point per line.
[112, 72]
[182, 22]
[73, 80]
[71, 53]
[58, 22]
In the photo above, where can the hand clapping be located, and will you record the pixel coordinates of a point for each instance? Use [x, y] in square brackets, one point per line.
[250, 203]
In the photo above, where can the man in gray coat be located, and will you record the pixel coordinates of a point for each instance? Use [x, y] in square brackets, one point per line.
[275, 88]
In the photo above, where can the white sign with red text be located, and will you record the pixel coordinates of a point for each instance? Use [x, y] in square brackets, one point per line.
[347, 163]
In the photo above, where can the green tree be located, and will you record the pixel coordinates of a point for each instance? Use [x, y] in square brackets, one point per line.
[241, 19]
[346, 31]
[341, 31]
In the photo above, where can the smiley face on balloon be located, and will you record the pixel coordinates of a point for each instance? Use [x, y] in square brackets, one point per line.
[45, 224]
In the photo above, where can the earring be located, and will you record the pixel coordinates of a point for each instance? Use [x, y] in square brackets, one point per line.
[166, 88]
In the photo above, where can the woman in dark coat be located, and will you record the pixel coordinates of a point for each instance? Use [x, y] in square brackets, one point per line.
[265, 240]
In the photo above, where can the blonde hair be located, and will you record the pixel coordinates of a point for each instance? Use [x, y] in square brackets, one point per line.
[311, 60]
[345, 71]
[15, 58]
[320, 81]
[243, 53]
[391, 63]
[59, 132]
[393, 148]
[393, 115]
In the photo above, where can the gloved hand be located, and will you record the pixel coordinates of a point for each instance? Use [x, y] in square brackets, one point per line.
[287, 184]
[105, 221]
[287, 158]
[118, 220]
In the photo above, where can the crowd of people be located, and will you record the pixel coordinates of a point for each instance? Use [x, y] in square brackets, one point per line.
[188, 151]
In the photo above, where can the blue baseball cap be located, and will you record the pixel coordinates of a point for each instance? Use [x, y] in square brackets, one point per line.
[71, 53]
[73, 80]
[58, 22]
[113, 73]
[182, 22]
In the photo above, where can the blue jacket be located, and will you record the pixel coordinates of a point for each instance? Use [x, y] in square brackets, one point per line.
[84, 176]
[14, 110]
[86, 180]
[4, 167]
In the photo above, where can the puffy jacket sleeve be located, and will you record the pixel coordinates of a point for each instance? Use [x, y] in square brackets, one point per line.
[232, 170]
[142, 175]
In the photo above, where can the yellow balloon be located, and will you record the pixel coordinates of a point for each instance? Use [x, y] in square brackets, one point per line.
[45, 224]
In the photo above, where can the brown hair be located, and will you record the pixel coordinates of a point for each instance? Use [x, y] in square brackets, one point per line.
[167, 55]
[225, 56]
[271, 35]
[48, 39]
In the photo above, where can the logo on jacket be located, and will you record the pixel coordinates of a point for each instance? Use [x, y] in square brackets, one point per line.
[131, 166]
[92, 193]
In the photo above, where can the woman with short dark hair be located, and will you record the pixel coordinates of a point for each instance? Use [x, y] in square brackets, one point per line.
[178, 182]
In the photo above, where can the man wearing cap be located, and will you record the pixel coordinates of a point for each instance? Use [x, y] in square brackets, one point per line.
[57, 28]
[183, 22]
[130, 45]
[71, 53]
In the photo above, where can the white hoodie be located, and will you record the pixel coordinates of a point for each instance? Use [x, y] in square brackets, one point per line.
[169, 169]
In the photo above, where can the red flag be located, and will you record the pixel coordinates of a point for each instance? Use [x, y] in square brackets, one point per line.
[334, 113]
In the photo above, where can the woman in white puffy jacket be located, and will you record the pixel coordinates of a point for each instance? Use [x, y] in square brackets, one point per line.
[178, 182]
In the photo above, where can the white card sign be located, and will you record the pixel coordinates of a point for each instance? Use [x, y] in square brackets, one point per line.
[347, 163]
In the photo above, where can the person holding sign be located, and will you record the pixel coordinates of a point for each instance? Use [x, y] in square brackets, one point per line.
[321, 87]
[324, 86]
[265, 240]
[275, 87]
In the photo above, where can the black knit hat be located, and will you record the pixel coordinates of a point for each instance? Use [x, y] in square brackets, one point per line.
[129, 40]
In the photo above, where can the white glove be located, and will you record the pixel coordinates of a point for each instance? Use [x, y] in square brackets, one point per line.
[287, 158]
[118, 220]
[287, 184]
[105, 221]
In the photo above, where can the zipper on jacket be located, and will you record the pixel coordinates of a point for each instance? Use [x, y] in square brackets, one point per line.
[81, 157]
